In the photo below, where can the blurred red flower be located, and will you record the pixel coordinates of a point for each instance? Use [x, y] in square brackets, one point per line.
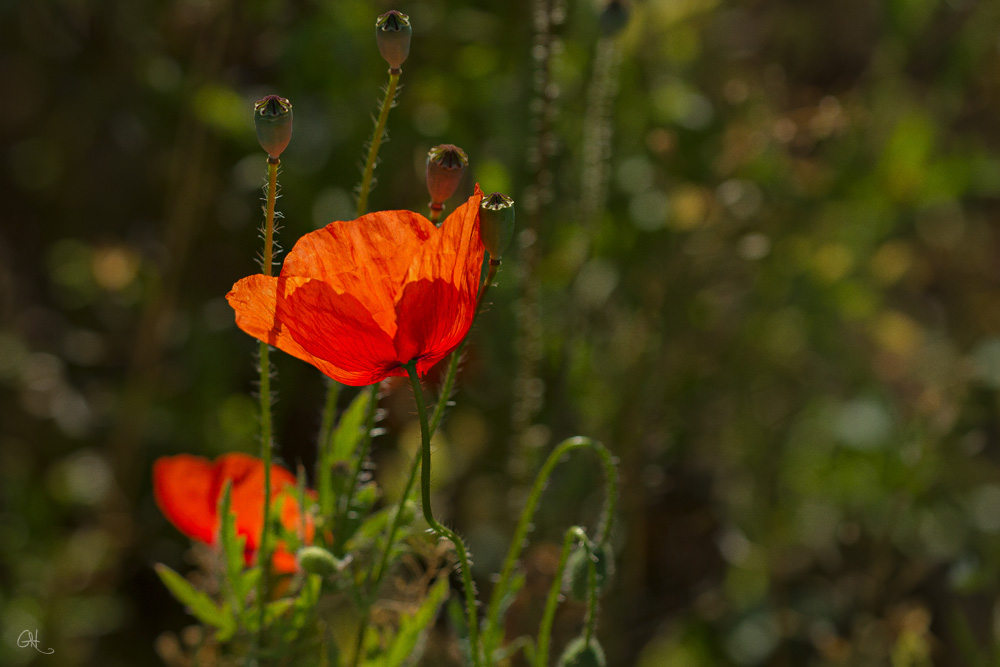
[360, 299]
[187, 489]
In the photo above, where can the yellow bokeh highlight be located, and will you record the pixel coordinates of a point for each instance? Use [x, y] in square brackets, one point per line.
[891, 262]
[114, 267]
[688, 208]
[832, 262]
[897, 333]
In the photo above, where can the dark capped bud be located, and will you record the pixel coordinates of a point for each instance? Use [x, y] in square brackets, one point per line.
[445, 165]
[496, 223]
[317, 560]
[392, 32]
[273, 119]
[614, 16]
[581, 653]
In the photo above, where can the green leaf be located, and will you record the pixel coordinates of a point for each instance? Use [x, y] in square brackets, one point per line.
[376, 525]
[351, 429]
[232, 550]
[406, 647]
[274, 611]
[340, 449]
[198, 602]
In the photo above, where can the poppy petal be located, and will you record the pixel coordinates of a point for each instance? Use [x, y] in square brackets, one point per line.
[255, 299]
[368, 258]
[433, 318]
[247, 496]
[339, 330]
[349, 293]
[455, 252]
[183, 489]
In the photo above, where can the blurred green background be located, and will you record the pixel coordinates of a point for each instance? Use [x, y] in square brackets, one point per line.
[763, 267]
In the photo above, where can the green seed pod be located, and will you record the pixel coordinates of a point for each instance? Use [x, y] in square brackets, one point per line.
[317, 560]
[496, 223]
[445, 165]
[577, 573]
[273, 120]
[581, 653]
[392, 32]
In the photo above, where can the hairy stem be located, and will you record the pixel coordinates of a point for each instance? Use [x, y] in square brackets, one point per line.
[425, 493]
[552, 601]
[528, 513]
[375, 575]
[383, 118]
[267, 266]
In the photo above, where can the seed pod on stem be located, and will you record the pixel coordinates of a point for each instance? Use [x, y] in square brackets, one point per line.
[392, 32]
[273, 121]
[496, 223]
[445, 165]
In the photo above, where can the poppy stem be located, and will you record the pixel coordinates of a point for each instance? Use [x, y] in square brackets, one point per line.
[376, 142]
[375, 576]
[267, 266]
[425, 497]
[528, 513]
[573, 534]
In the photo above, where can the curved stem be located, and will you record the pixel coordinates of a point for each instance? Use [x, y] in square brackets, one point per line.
[425, 489]
[267, 260]
[383, 118]
[528, 513]
[375, 575]
[591, 621]
[573, 534]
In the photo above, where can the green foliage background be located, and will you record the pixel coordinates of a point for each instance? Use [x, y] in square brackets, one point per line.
[785, 320]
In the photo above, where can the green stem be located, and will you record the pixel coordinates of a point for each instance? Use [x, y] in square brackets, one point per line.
[528, 513]
[425, 489]
[375, 575]
[591, 591]
[383, 118]
[573, 534]
[267, 266]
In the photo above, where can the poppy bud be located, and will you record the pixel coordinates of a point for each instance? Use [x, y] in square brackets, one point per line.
[273, 120]
[581, 653]
[392, 32]
[613, 17]
[577, 577]
[496, 223]
[445, 165]
[317, 560]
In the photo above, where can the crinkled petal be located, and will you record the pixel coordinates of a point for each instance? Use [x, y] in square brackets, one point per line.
[368, 258]
[255, 300]
[337, 329]
[434, 316]
[455, 252]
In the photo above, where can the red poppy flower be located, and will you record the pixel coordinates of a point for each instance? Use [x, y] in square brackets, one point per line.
[360, 299]
[187, 489]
